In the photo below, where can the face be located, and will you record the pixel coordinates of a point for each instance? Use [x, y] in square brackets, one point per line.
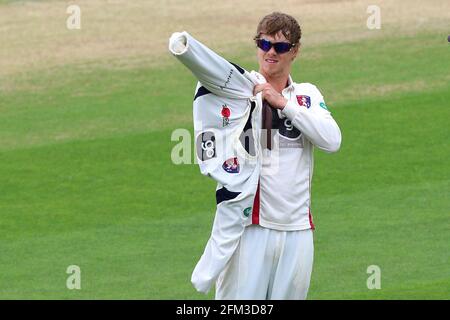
[273, 64]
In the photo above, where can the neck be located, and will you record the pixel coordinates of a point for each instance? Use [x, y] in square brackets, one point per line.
[278, 82]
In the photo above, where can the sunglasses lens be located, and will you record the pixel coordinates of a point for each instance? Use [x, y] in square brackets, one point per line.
[264, 45]
[282, 47]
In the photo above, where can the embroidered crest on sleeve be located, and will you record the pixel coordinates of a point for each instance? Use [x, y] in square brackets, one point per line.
[304, 101]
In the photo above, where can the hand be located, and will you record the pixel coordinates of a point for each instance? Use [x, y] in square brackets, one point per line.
[274, 98]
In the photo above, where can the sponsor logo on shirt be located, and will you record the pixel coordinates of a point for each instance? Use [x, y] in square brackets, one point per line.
[323, 105]
[227, 81]
[288, 130]
[304, 101]
[226, 113]
[247, 211]
[231, 165]
[206, 145]
[285, 127]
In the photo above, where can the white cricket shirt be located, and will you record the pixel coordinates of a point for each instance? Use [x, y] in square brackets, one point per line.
[286, 174]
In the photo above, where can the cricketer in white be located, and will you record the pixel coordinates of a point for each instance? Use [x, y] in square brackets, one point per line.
[261, 245]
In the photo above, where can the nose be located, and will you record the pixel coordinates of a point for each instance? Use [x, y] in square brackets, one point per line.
[272, 51]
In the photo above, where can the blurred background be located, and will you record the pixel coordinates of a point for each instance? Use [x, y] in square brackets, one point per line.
[86, 117]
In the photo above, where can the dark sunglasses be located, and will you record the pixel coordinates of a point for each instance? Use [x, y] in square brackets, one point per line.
[280, 47]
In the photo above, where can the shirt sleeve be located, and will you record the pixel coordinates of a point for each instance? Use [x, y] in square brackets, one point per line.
[315, 121]
[216, 74]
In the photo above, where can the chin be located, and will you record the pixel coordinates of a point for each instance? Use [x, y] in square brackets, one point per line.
[271, 70]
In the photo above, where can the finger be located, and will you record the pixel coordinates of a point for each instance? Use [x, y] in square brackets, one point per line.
[258, 88]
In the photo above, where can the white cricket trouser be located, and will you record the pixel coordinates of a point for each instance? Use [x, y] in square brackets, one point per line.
[268, 264]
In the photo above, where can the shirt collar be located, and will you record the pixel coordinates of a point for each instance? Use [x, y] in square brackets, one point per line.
[290, 84]
[260, 79]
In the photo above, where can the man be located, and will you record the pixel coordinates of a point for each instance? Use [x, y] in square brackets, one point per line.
[261, 244]
[275, 253]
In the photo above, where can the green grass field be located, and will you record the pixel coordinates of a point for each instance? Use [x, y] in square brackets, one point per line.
[87, 178]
